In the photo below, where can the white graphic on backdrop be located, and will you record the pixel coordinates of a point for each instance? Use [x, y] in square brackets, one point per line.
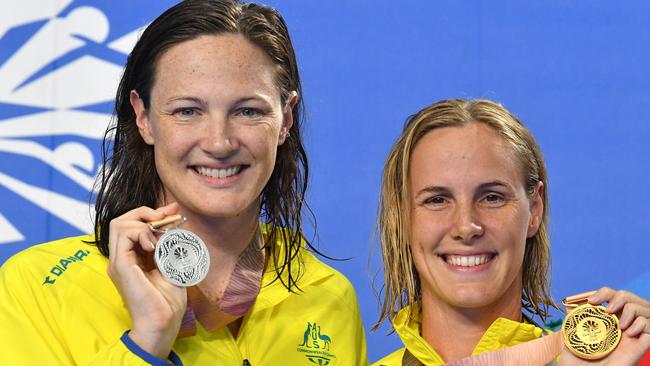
[58, 91]
[8, 231]
[27, 11]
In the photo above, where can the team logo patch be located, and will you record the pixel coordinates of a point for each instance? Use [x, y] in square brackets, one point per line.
[316, 345]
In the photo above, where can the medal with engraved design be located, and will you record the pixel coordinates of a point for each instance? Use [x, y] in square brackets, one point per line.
[589, 331]
[181, 256]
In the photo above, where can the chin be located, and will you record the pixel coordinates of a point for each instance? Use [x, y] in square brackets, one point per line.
[221, 212]
[221, 209]
[470, 297]
[470, 302]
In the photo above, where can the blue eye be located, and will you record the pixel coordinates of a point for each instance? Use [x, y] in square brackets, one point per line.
[187, 112]
[248, 112]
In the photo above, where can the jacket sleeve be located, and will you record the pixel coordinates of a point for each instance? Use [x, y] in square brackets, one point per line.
[30, 330]
[126, 352]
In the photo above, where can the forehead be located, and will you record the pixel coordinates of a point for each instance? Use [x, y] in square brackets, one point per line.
[213, 63]
[471, 154]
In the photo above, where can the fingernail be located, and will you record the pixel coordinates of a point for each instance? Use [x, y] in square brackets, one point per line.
[152, 245]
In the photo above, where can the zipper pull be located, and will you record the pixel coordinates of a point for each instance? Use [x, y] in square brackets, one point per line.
[246, 363]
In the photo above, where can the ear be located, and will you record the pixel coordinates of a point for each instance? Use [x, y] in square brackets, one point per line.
[536, 210]
[141, 118]
[287, 117]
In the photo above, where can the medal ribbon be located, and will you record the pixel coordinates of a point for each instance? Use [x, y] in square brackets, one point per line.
[539, 352]
[241, 291]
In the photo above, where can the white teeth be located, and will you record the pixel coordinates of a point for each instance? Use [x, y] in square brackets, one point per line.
[218, 173]
[467, 260]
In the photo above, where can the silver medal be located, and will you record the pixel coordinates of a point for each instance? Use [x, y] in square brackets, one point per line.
[182, 257]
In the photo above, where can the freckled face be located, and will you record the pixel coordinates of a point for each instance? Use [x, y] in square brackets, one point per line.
[470, 217]
[215, 122]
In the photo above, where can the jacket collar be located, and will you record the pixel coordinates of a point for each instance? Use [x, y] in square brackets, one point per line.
[501, 333]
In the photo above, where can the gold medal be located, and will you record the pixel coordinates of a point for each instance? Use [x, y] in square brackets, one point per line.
[589, 331]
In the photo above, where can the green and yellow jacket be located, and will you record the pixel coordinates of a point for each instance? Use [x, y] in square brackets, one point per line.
[59, 307]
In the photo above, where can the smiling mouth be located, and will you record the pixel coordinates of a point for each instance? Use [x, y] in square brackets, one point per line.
[219, 173]
[467, 260]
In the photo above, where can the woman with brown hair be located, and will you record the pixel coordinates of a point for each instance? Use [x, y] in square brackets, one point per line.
[463, 226]
[207, 131]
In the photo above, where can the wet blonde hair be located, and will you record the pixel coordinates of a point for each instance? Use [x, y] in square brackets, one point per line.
[402, 285]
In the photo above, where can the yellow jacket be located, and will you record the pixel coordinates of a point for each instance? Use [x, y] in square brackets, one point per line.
[59, 307]
[502, 333]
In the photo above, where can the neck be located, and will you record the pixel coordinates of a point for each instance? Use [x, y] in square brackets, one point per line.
[226, 235]
[226, 239]
[454, 332]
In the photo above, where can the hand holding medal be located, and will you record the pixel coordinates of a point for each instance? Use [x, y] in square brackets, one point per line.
[616, 334]
[155, 305]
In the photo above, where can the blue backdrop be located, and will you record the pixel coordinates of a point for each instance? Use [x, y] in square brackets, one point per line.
[575, 72]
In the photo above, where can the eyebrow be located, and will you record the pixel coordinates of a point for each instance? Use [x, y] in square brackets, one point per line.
[259, 98]
[187, 99]
[254, 98]
[494, 183]
[432, 189]
[481, 187]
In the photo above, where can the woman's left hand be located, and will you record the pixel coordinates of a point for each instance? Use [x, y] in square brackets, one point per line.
[634, 321]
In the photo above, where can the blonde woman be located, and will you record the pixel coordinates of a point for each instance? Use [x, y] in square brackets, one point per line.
[464, 236]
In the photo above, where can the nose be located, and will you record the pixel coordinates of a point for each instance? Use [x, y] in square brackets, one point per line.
[466, 226]
[218, 138]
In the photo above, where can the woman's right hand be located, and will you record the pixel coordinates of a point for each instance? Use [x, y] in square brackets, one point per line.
[155, 305]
